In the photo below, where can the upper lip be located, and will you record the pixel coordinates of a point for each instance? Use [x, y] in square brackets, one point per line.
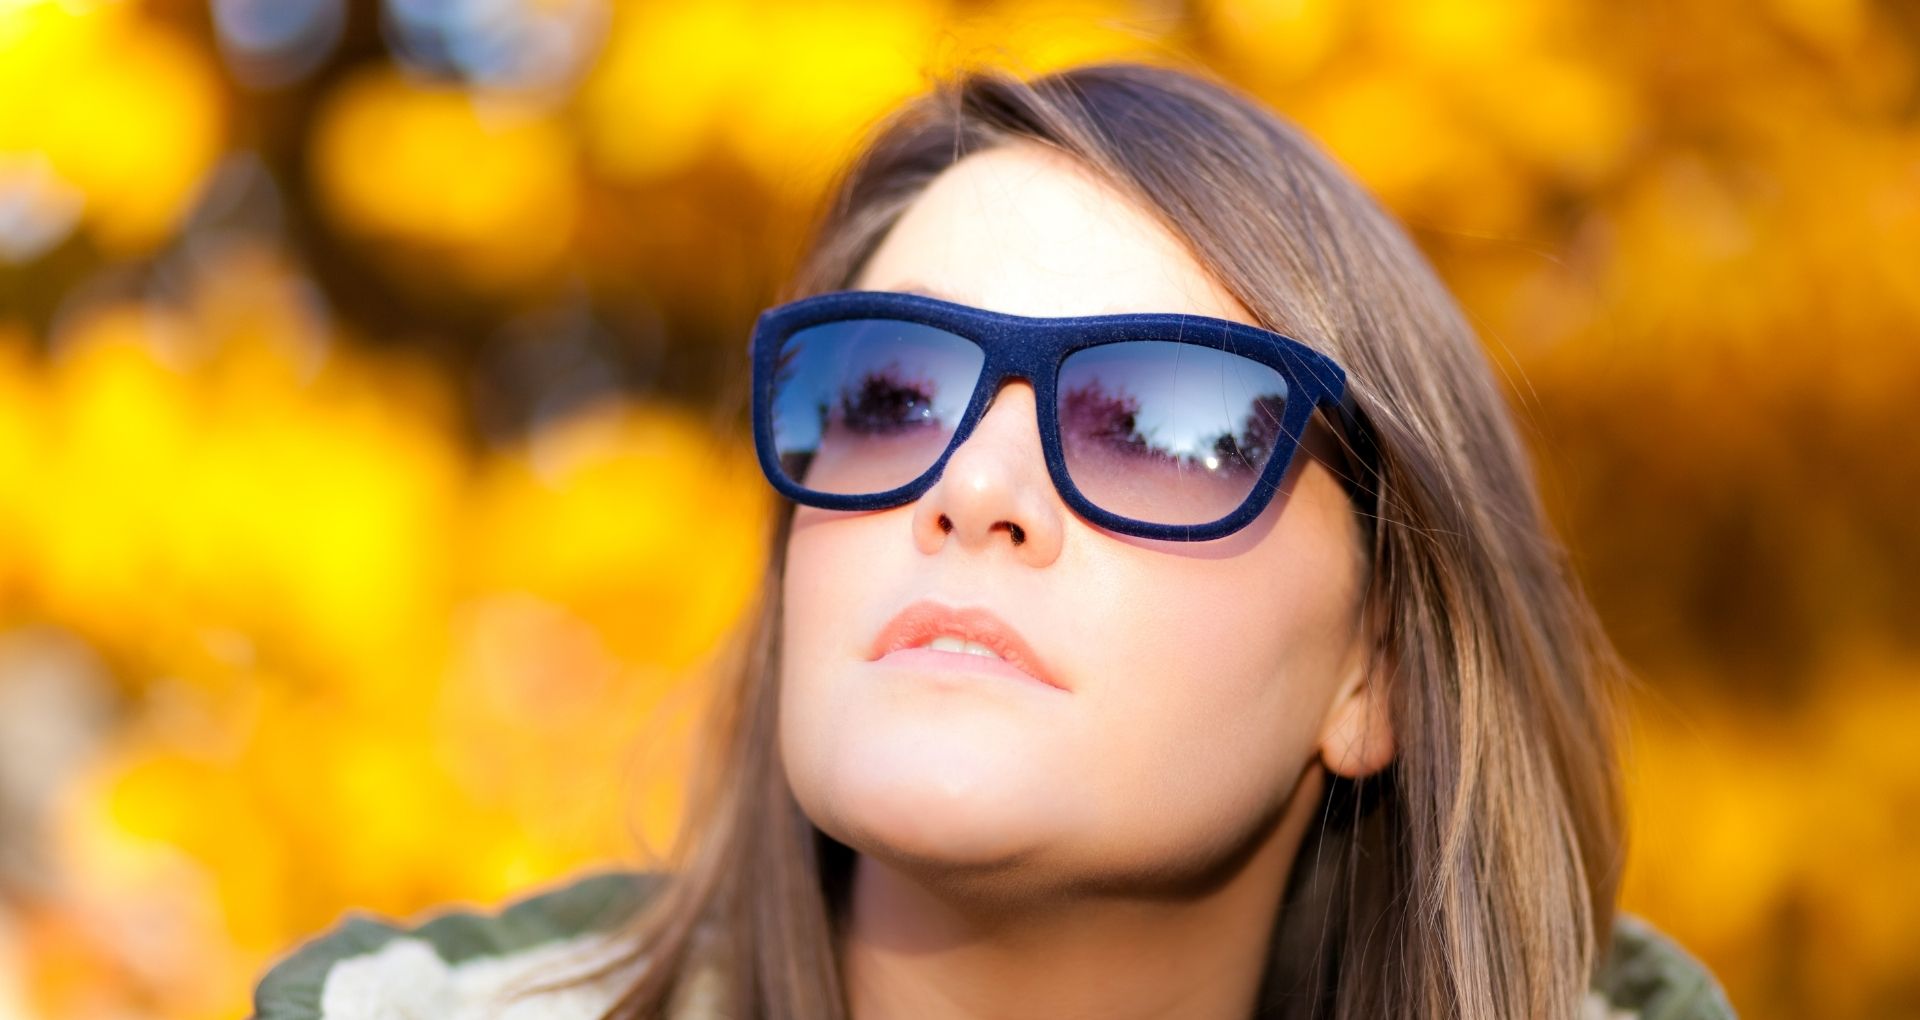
[926, 619]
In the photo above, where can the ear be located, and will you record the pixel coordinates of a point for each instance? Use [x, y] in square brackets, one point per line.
[1357, 738]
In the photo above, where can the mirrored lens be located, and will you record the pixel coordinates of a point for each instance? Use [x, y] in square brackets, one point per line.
[867, 405]
[1167, 432]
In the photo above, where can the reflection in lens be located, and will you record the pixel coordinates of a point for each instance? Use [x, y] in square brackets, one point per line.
[867, 405]
[1170, 433]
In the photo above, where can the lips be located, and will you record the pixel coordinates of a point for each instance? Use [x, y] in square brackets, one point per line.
[924, 620]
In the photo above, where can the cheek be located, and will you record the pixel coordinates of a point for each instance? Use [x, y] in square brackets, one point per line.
[813, 585]
[1208, 705]
[819, 572]
[1212, 697]
[815, 633]
[833, 567]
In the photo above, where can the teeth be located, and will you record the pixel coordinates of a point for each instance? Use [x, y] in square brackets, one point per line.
[954, 644]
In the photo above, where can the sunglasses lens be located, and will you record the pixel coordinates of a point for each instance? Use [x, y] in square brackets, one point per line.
[1167, 432]
[867, 405]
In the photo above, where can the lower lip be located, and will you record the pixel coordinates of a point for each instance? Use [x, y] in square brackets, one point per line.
[937, 661]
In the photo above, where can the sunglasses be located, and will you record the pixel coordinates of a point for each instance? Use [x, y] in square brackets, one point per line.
[1156, 425]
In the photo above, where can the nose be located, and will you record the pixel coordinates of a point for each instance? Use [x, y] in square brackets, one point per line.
[995, 490]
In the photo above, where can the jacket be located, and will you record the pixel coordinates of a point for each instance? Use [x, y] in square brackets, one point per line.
[456, 965]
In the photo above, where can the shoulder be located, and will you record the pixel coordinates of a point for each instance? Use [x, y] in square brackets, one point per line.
[457, 962]
[1648, 976]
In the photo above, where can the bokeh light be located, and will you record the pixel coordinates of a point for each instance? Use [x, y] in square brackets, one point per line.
[271, 43]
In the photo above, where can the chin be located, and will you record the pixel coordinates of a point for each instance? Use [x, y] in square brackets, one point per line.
[925, 818]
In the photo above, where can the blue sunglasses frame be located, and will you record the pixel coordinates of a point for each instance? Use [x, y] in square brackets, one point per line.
[1033, 348]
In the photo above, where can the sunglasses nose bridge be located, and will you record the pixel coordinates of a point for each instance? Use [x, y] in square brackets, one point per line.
[1000, 387]
[1008, 378]
[1024, 426]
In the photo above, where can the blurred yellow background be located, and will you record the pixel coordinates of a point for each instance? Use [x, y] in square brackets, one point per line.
[374, 486]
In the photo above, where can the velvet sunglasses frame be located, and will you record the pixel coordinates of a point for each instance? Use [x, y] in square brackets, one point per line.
[1033, 348]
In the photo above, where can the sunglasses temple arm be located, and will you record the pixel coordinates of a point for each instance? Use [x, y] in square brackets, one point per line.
[1364, 450]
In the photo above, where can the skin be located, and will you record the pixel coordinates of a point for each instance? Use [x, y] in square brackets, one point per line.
[1118, 849]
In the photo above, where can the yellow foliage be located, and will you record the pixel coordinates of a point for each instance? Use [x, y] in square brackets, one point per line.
[123, 108]
[350, 637]
[789, 86]
[1779, 850]
[1279, 41]
[362, 662]
[669, 76]
[487, 181]
[597, 512]
[1036, 37]
[784, 85]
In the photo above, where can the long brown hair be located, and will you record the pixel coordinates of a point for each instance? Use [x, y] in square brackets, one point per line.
[1476, 875]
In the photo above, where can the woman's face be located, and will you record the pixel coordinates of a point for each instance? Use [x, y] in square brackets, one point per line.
[1201, 678]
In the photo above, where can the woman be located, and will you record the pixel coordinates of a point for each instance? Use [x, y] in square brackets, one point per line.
[1165, 624]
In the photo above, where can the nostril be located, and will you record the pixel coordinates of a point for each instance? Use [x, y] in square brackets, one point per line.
[1019, 533]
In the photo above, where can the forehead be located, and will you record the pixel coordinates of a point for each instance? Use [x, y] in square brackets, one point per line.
[1026, 230]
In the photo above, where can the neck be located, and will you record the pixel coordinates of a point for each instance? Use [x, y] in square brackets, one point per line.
[919, 949]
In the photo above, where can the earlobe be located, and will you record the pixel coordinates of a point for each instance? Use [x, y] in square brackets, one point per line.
[1357, 740]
